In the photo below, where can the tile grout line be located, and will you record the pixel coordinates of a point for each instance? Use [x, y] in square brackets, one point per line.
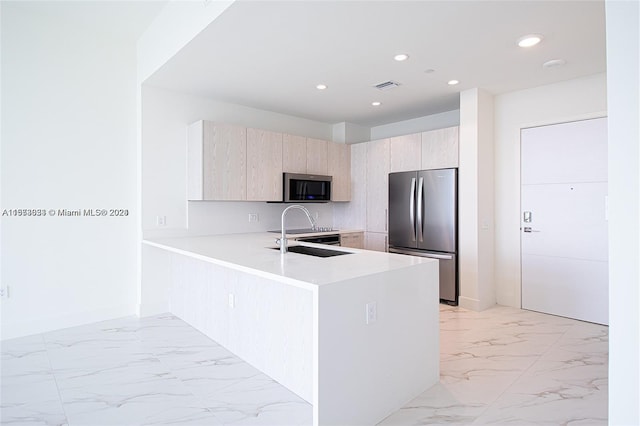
[193, 394]
[515, 380]
[55, 379]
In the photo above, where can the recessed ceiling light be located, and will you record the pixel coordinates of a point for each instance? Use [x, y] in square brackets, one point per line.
[321, 86]
[376, 103]
[452, 82]
[529, 40]
[401, 57]
[554, 63]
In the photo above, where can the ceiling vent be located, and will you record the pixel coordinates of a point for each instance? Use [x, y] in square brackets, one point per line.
[386, 85]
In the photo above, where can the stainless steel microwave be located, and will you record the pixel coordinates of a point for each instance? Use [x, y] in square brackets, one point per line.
[302, 188]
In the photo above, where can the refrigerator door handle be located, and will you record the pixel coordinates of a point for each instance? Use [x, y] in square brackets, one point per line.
[412, 200]
[420, 202]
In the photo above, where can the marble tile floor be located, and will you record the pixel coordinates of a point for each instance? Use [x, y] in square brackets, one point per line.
[130, 371]
[514, 367]
[500, 366]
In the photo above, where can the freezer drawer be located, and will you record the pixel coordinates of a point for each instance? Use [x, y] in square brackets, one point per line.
[448, 267]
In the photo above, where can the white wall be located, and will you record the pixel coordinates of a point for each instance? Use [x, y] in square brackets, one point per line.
[555, 103]
[165, 117]
[416, 125]
[476, 201]
[623, 81]
[68, 141]
[351, 133]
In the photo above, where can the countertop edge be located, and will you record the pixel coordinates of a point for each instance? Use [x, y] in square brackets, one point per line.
[235, 266]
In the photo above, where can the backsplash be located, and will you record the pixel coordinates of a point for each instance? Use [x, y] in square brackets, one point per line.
[232, 217]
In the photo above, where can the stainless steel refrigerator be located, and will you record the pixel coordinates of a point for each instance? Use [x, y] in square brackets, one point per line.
[423, 221]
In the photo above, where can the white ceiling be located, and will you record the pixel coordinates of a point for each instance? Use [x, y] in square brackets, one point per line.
[271, 55]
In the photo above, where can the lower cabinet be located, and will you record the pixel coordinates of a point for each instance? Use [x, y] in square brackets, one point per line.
[352, 239]
[376, 241]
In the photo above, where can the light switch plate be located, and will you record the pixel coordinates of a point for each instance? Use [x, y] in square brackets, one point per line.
[372, 312]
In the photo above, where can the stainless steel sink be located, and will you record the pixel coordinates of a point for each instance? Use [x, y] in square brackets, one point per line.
[315, 251]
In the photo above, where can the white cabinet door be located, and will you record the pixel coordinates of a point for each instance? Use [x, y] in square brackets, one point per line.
[564, 228]
[317, 157]
[264, 165]
[353, 215]
[376, 241]
[217, 161]
[339, 168]
[294, 154]
[405, 153]
[352, 239]
[440, 148]
[377, 185]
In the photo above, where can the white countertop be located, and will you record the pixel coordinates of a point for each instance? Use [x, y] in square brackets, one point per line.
[252, 253]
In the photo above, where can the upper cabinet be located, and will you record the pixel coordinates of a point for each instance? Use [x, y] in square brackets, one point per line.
[440, 148]
[317, 153]
[264, 165]
[405, 153]
[294, 154]
[228, 162]
[217, 167]
[339, 167]
[435, 149]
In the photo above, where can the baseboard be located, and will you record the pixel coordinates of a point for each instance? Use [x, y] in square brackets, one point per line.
[474, 304]
[469, 303]
[15, 329]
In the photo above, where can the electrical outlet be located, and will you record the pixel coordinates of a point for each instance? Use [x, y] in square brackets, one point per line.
[232, 300]
[4, 292]
[372, 312]
[253, 217]
[161, 220]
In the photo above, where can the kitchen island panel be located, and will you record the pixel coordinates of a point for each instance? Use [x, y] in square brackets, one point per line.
[302, 319]
[265, 322]
[367, 371]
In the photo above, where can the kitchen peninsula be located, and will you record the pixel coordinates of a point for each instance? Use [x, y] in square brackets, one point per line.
[356, 335]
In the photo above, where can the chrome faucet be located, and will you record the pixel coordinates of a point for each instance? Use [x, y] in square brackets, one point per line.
[283, 237]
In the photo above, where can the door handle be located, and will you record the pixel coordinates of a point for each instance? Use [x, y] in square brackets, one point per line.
[420, 186]
[529, 229]
[412, 201]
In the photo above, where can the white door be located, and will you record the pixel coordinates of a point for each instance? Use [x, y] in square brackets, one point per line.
[563, 220]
